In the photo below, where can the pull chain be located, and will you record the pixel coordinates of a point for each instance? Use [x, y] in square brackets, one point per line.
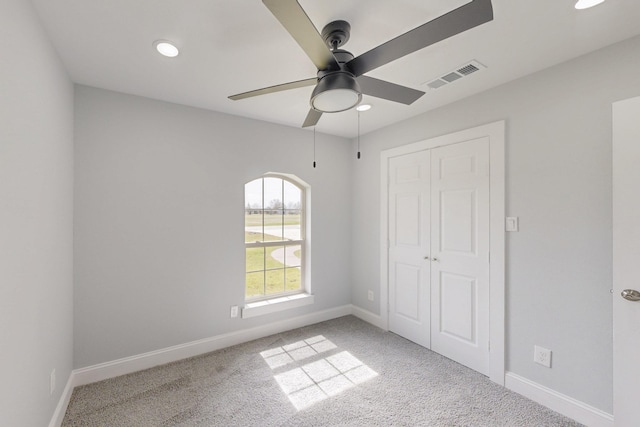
[358, 134]
[314, 147]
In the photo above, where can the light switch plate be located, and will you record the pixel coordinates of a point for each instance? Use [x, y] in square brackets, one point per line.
[512, 223]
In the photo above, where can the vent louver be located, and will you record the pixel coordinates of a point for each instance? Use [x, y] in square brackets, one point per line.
[460, 72]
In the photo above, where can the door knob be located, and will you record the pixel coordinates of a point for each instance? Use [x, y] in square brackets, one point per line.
[631, 295]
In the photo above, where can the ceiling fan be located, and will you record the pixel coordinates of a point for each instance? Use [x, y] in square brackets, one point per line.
[340, 81]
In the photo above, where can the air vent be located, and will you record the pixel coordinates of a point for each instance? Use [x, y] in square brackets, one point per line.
[460, 72]
[467, 69]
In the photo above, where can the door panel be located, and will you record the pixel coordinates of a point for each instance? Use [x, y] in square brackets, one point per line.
[408, 215]
[458, 221]
[408, 292]
[460, 253]
[457, 307]
[409, 237]
[626, 269]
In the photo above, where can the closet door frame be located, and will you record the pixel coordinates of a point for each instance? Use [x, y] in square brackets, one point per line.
[496, 134]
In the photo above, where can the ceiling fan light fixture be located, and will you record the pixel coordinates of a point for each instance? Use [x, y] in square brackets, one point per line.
[585, 4]
[166, 48]
[336, 92]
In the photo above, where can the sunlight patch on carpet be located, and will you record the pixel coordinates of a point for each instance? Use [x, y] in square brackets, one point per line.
[315, 381]
[299, 350]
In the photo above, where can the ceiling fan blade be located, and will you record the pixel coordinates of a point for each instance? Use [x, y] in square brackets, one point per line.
[276, 88]
[312, 118]
[297, 23]
[457, 21]
[391, 91]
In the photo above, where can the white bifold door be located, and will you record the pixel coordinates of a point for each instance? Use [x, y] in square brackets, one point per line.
[439, 250]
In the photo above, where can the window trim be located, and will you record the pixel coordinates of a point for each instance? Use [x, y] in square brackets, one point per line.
[285, 302]
[282, 299]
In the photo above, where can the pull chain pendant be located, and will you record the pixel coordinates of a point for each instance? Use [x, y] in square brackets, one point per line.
[358, 135]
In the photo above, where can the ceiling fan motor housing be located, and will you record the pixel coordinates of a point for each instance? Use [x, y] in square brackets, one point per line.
[336, 33]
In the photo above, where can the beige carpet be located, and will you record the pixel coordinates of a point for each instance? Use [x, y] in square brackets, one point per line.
[343, 372]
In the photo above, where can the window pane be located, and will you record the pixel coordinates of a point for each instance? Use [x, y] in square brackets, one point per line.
[254, 259]
[293, 208]
[255, 284]
[293, 279]
[274, 208]
[275, 257]
[275, 281]
[292, 255]
[292, 196]
[292, 229]
[253, 194]
[253, 226]
[273, 222]
[273, 194]
[253, 203]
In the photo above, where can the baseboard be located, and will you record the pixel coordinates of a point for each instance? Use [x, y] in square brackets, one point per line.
[565, 405]
[367, 316]
[558, 402]
[63, 403]
[148, 360]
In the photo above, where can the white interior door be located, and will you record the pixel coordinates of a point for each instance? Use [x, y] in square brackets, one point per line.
[460, 253]
[439, 250]
[409, 236]
[626, 268]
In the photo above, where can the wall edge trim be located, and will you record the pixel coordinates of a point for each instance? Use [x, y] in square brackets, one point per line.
[63, 403]
[127, 365]
[561, 403]
[367, 316]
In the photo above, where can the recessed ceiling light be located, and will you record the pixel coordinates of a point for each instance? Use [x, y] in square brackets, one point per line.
[363, 107]
[166, 48]
[585, 4]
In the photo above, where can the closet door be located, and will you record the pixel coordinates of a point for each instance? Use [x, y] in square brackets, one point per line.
[409, 241]
[460, 253]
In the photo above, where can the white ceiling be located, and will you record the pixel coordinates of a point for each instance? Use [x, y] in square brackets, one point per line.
[233, 46]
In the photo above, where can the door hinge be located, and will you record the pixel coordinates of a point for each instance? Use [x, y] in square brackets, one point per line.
[489, 346]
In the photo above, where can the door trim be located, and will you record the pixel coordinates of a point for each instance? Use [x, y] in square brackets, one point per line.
[496, 134]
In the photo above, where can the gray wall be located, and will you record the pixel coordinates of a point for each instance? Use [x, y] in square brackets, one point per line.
[558, 173]
[36, 214]
[159, 246]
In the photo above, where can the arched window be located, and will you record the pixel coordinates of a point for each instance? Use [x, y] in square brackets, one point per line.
[274, 237]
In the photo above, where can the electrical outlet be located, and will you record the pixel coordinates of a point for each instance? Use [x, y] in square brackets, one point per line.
[52, 382]
[542, 356]
[234, 311]
[370, 295]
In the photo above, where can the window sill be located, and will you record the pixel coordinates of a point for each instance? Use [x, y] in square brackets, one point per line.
[269, 306]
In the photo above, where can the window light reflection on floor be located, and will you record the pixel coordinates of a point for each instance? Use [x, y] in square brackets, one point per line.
[315, 381]
[281, 356]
